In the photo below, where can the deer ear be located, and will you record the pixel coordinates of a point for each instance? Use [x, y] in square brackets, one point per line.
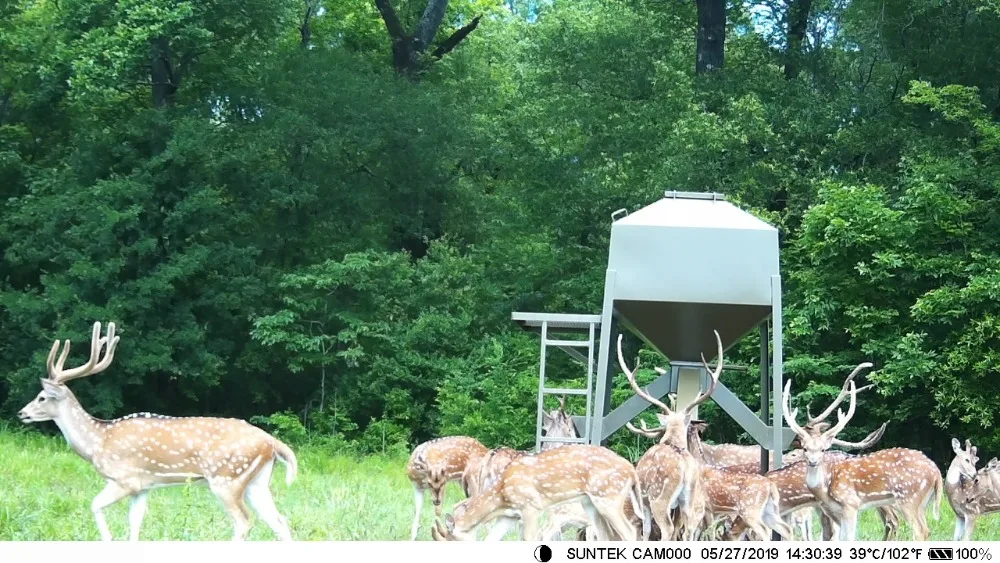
[53, 389]
[662, 418]
[956, 445]
[546, 418]
[449, 521]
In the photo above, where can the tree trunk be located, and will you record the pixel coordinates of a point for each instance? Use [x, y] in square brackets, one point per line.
[798, 23]
[407, 48]
[162, 73]
[711, 38]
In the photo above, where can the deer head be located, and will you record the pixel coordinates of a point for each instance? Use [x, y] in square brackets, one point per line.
[52, 401]
[989, 480]
[819, 437]
[965, 459]
[557, 424]
[674, 424]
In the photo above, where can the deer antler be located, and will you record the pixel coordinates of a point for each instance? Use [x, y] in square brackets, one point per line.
[790, 414]
[702, 397]
[842, 419]
[653, 433]
[813, 420]
[60, 375]
[635, 386]
[868, 442]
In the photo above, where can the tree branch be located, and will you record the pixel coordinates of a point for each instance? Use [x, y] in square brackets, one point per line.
[450, 43]
[390, 19]
[305, 31]
[430, 22]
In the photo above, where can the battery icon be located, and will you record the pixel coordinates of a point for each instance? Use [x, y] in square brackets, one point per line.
[941, 553]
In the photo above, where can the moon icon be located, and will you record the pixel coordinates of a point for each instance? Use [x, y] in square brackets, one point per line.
[543, 553]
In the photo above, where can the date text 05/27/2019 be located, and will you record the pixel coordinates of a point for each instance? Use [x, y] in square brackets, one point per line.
[744, 553]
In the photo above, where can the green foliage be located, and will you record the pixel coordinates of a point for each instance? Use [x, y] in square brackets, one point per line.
[301, 231]
[283, 425]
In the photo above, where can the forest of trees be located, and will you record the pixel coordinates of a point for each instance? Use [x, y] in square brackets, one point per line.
[326, 211]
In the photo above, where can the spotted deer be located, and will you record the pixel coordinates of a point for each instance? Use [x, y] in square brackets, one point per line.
[602, 480]
[969, 495]
[796, 497]
[668, 471]
[435, 463]
[904, 478]
[144, 451]
[987, 485]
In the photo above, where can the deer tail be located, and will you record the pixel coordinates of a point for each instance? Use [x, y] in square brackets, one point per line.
[286, 456]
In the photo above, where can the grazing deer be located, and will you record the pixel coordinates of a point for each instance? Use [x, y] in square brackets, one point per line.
[969, 495]
[143, 451]
[602, 480]
[897, 476]
[796, 497]
[435, 463]
[668, 471]
[752, 501]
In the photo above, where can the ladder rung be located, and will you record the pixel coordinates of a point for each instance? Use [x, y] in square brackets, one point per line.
[564, 440]
[553, 391]
[576, 343]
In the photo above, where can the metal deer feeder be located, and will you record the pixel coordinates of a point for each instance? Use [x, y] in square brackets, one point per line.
[678, 269]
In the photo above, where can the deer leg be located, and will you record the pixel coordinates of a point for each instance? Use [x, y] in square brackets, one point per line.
[773, 520]
[849, 524]
[968, 526]
[614, 514]
[110, 494]
[136, 512]
[830, 528]
[258, 494]
[661, 515]
[418, 501]
[808, 533]
[529, 524]
[889, 523]
[232, 501]
[600, 527]
[917, 516]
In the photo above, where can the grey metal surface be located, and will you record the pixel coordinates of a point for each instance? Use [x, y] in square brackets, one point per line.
[570, 323]
[690, 264]
[563, 322]
[678, 269]
[777, 366]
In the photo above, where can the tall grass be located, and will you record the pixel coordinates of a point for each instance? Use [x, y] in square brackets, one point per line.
[46, 490]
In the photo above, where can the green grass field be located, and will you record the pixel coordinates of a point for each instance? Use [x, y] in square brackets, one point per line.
[46, 490]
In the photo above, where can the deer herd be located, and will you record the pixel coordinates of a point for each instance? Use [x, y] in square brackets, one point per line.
[680, 489]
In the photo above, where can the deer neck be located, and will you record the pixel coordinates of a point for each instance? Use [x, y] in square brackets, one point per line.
[818, 480]
[482, 508]
[676, 436]
[953, 479]
[697, 448]
[84, 433]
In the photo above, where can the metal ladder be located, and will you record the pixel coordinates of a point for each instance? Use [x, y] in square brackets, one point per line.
[571, 347]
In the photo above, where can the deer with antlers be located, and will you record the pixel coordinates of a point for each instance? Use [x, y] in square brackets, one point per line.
[668, 472]
[143, 451]
[743, 497]
[796, 497]
[904, 478]
[599, 478]
[435, 463]
[968, 493]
